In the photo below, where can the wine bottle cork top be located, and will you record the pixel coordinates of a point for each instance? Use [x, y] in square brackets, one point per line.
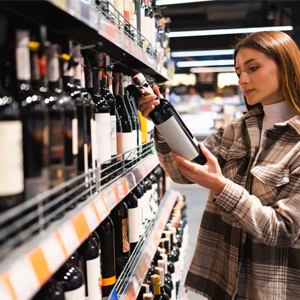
[148, 296]
[138, 79]
[155, 279]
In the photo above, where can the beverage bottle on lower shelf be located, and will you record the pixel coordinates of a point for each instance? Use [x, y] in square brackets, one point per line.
[170, 287]
[169, 124]
[165, 291]
[145, 288]
[89, 263]
[148, 296]
[155, 280]
[108, 261]
[119, 216]
[120, 156]
[159, 173]
[51, 290]
[72, 279]
[133, 220]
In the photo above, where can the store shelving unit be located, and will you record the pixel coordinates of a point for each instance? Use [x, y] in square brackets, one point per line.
[37, 250]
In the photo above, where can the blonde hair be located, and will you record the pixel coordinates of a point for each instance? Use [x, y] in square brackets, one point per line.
[284, 51]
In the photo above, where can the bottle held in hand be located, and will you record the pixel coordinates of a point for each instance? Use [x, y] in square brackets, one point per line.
[169, 124]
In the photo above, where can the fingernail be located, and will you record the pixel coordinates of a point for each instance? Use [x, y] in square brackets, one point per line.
[156, 101]
[153, 97]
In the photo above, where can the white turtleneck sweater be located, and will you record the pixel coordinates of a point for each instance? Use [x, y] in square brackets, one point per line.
[274, 113]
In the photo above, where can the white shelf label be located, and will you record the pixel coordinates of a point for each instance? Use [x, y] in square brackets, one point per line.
[136, 285]
[53, 253]
[120, 190]
[4, 293]
[69, 237]
[23, 278]
[111, 199]
[91, 217]
[101, 209]
[130, 181]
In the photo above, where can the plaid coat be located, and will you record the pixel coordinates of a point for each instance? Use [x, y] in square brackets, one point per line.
[248, 244]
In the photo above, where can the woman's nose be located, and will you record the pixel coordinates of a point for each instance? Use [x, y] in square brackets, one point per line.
[244, 78]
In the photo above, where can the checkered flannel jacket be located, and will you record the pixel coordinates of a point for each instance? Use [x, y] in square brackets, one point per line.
[248, 244]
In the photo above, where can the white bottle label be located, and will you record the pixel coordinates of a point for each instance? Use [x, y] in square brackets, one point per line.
[22, 55]
[177, 270]
[177, 139]
[78, 294]
[103, 137]
[53, 66]
[86, 163]
[174, 286]
[134, 224]
[94, 143]
[128, 141]
[134, 144]
[75, 136]
[11, 158]
[93, 279]
[113, 135]
[67, 70]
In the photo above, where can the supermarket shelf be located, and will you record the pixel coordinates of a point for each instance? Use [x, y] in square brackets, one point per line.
[87, 25]
[28, 267]
[135, 271]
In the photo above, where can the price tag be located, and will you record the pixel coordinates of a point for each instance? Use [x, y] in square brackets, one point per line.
[94, 19]
[111, 199]
[137, 174]
[120, 190]
[91, 217]
[74, 8]
[69, 238]
[136, 285]
[23, 278]
[101, 207]
[130, 181]
[4, 292]
[53, 253]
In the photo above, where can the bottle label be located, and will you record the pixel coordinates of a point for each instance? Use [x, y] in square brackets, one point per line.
[174, 286]
[93, 279]
[23, 62]
[36, 185]
[56, 175]
[126, 246]
[86, 163]
[135, 133]
[67, 70]
[93, 142]
[119, 145]
[78, 294]
[11, 158]
[177, 139]
[108, 281]
[75, 136]
[53, 69]
[134, 224]
[56, 139]
[113, 135]
[77, 71]
[128, 142]
[177, 270]
[103, 137]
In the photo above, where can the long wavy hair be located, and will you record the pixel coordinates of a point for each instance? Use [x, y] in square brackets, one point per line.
[284, 51]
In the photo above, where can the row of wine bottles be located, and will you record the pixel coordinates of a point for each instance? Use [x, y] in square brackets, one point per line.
[62, 113]
[144, 16]
[92, 271]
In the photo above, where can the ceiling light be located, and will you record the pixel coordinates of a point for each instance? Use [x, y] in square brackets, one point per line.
[227, 31]
[212, 70]
[202, 53]
[171, 2]
[205, 63]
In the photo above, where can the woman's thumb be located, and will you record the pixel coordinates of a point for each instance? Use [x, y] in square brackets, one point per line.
[157, 92]
[205, 151]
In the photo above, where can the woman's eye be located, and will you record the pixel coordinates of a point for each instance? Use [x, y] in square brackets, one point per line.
[254, 68]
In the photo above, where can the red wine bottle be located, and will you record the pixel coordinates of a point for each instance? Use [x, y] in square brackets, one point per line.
[51, 290]
[169, 124]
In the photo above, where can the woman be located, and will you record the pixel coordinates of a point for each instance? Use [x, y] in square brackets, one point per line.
[248, 245]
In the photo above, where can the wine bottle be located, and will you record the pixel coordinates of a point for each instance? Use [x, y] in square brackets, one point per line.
[133, 220]
[72, 279]
[138, 192]
[11, 158]
[108, 262]
[159, 173]
[145, 289]
[51, 290]
[56, 120]
[128, 137]
[148, 296]
[89, 263]
[170, 125]
[34, 118]
[119, 216]
[120, 156]
[155, 280]
[165, 291]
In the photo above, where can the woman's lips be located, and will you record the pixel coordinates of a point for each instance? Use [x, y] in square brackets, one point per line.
[247, 92]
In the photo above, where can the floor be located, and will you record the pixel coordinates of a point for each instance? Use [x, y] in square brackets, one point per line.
[195, 199]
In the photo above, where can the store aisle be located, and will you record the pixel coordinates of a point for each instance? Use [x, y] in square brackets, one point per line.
[196, 198]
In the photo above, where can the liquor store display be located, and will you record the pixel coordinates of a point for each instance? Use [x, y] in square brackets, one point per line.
[84, 211]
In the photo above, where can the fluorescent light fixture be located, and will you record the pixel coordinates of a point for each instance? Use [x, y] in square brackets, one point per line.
[227, 31]
[205, 63]
[212, 70]
[171, 2]
[202, 53]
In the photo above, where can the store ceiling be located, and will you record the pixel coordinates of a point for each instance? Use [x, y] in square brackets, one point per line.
[223, 15]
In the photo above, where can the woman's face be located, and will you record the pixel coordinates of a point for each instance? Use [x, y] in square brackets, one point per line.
[258, 77]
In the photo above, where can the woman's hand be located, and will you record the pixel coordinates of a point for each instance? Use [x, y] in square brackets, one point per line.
[147, 103]
[208, 175]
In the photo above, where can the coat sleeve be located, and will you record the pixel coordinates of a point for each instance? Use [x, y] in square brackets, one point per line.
[276, 225]
[165, 156]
